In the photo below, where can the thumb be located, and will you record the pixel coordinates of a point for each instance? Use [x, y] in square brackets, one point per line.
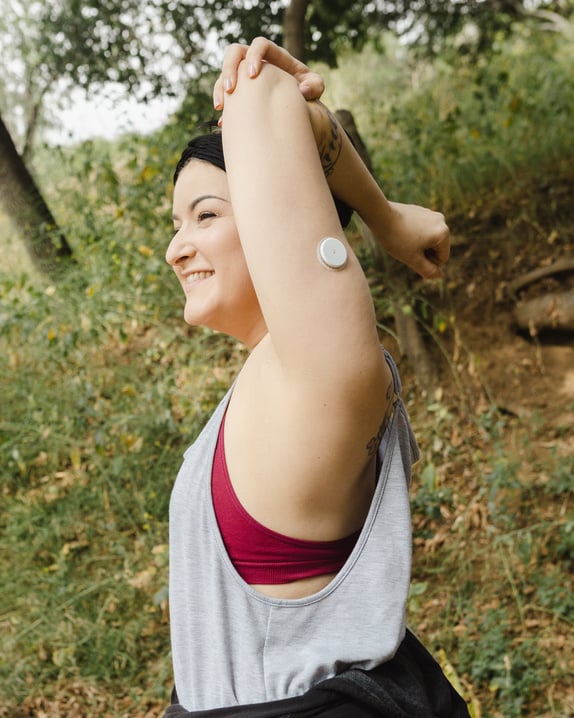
[429, 269]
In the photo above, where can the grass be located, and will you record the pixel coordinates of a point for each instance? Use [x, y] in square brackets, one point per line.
[439, 133]
[103, 387]
[92, 433]
[503, 554]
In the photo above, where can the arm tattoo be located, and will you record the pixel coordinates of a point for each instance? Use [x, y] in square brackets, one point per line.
[373, 443]
[330, 144]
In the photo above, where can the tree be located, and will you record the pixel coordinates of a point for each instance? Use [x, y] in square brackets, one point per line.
[294, 27]
[316, 29]
[22, 201]
[138, 44]
[64, 44]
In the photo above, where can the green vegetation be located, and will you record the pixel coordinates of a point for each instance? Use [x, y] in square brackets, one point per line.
[103, 386]
[441, 132]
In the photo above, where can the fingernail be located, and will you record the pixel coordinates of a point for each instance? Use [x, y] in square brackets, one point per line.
[252, 70]
[227, 84]
[217, 101]
[220, 122]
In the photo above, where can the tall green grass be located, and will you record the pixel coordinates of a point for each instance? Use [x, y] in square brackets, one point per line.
[102, 388]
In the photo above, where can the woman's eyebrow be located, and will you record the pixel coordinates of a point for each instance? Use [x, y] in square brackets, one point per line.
[199, 199]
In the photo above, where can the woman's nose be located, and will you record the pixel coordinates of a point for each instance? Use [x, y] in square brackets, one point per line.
[179, 249]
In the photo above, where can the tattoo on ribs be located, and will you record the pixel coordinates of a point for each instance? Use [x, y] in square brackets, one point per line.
[373, 443]
[330, 144]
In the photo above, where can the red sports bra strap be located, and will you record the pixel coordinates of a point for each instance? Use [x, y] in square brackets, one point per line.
[259, 554]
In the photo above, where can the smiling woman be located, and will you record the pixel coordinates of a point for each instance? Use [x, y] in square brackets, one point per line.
[289, 520]
[206, 255]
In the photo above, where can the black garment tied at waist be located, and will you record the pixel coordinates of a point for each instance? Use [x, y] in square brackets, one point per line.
[410, 685]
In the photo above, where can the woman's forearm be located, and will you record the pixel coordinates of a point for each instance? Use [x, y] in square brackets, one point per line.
[414, 235]
[348, 177]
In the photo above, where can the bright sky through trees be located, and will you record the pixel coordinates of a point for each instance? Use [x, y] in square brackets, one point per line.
[107, 114]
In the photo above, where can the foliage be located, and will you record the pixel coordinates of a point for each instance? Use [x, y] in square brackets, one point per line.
[439, 131]
[507, 615]
[474, 25]
[103, 387]
[97, 424]
[50, 47]
[156, 47]
[22, 85]
[149, 49]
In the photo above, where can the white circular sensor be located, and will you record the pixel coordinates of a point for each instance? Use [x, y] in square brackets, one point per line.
[332, 253]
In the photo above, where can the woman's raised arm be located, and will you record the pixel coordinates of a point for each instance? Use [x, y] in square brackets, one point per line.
[414, 235]
[321, 322]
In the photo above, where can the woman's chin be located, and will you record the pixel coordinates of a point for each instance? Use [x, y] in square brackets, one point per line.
[192, 318]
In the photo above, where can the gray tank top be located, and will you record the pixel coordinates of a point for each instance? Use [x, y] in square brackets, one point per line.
[230, 644]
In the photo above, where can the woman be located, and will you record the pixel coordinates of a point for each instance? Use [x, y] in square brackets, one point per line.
[289, 520]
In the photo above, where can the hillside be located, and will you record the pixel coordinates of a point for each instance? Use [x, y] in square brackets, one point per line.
[492, 495]
[500, 461]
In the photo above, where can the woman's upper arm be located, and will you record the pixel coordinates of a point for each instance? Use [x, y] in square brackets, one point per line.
[320, 321]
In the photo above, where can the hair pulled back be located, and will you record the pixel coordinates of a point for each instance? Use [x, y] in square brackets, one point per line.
[209, 148]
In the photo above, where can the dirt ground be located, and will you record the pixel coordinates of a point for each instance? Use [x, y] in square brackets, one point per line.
[526, 376]
[523, 373]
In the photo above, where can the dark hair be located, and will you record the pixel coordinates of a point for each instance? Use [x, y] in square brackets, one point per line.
[209, 148]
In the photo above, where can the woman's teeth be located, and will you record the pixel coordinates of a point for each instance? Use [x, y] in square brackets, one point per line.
[197, 275]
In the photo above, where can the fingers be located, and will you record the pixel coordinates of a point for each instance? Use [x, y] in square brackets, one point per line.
[436, 255]
[227, 80]
[430, 239]
[263, 50]
[429, 268]
[311, 85]
[439, 250]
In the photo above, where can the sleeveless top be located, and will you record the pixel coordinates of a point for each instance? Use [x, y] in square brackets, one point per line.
[259, 554]
[232, 645]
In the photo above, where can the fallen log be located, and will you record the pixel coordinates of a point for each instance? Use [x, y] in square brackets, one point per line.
[551, 311]
[566, 264]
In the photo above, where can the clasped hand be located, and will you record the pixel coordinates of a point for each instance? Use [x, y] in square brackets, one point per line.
[262, 50]
[416, 236]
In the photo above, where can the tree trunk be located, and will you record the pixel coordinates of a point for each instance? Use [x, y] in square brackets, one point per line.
[32, 123]
[21, 200]
[294, 28]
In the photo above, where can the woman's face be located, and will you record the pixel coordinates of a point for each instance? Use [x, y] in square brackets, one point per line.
[207, 257]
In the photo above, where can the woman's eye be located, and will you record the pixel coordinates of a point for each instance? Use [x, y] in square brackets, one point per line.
[204, 215]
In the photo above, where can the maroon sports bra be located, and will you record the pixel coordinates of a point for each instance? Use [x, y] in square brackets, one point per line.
[260, 555]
